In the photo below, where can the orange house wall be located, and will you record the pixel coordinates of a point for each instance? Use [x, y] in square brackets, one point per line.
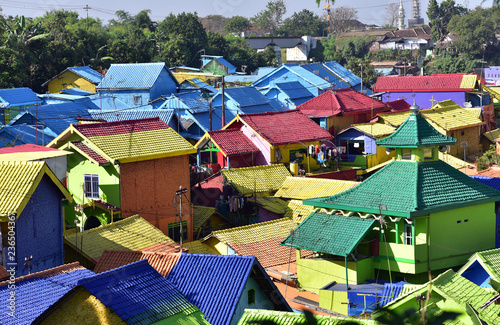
[148, 189]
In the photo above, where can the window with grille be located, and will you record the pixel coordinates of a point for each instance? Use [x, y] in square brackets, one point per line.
[91, 186]
[408, 234]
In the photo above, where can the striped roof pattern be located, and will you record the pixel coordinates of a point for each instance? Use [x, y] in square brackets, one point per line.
[87, 73]
[133, 233]
[274, 204]
[233, 142]
[91, 153]
[251, 316]
[307, 188]
[137, 113]
[120, 127]
[132, 75]
[257, 179]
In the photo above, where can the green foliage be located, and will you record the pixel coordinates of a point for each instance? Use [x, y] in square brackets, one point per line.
[303, 23]
[412, 317]
[237, 24]
[369, 74]
[441, 14]
[271, 18]
[450, 62]
[488, 158]
[317, 53]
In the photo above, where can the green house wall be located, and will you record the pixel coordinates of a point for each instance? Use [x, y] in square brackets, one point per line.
[215, 67]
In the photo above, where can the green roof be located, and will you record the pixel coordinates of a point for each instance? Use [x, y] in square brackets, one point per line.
[289, 318]
[329, 233]
[416, 132]
[489, 260]
[408, 188]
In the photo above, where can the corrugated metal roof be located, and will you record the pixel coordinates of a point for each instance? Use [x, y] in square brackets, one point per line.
[343, 73]
[106, 102]
[307, 188]
[469, 81]
[225, 63]
[294, 90]
[133, 233]
[253, 316]
[453, 161]
[309, 76]
[257, 179]
[19, 96]
[165, 115]
[246, 96]
[132, 75]
[24, 134]
[76, 92]
[87, 73]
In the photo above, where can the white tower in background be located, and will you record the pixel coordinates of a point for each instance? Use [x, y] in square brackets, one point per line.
[401, 16]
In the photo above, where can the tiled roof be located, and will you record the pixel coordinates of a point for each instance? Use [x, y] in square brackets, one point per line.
[18, 96]
[451, 117]
[284, 127]
[329, 233]
[88, 151]
[300, 211]
[37, 292]
[26, 148]
[232, 142]
[398, 105]
[163, 247]
[58, 117]
[452, 160]
[133, 114]
[132, 75]
[307, 188]
[198, 247]
[256, 232]
[253, 316]
[475, 111]
[112, 259]
[437, 82]
[489, 259]
[133, 233]
[257, 179]
[416, 132]
[143, 138]
[375, 130]
[395, 119]
[3, 273]
[138, 294]
[25, 152]
[341, 102]
[18, 182]
[201, 215]
[274, 204]
[493, 135]
[408, 188]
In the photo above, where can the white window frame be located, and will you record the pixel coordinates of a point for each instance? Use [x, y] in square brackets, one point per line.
[137, 100]
[408, 234]
[91, 186]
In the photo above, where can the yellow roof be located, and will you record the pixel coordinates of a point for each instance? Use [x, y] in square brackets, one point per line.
[495, 133]
[133, 233]
[394, 119]
[145, 144]
[469, 81]
[450, 116]
[301, 211]
[452, 160]
[18, 182]
[198, 247]
[307, 188]
[474, 111]
[494, 91]
[273, 204]
[256, 232]
[257, 179]
[201, 215]
[376, 130]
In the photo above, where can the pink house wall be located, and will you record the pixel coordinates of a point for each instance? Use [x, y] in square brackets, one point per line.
[265, 157]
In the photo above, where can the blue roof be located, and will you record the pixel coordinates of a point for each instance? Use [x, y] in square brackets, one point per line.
[309, 76]
[87, 73]
[138, 294]
[24, 134]
[262, 71]
[225, 63]
[107, 102]
[58, 117]
[493, 182]
[132, 75]
[35, 295]
[214, 283]
[203, 85]
[165, 115]
[244, 78]
[76, 91]
[19, 96]
[246, 96]
[294, 90]
[391, 292]
[343, 73]
[202, 119]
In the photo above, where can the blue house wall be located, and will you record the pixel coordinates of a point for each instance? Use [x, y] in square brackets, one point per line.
[355, 135]
[164, 85]
[39, 230]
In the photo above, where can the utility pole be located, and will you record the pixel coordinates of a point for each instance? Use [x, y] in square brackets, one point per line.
[86, 8]
[223, 105]
[179, 194]
[210, 115]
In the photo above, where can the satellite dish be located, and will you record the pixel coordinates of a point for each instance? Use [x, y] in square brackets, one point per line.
[467, 104]
[389, 150]
[445, 149]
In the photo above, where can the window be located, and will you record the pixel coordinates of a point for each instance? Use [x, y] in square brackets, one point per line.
[427, 153]
[356, 147]
[408, 234]
[174, 230]
[251, 297]
[137, 100]
[91, 186]
[297, 155]
[406, 154]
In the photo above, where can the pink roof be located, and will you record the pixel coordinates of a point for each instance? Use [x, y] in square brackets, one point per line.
[436, 82]
[285, 127]
[91, 153]
[398, 105]
[121, 127]
[26, 148]
[340, 102]
[233, 142]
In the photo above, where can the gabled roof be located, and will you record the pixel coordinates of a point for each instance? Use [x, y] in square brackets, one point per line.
[398, 105]
[25, 134]
[112, 259]
[132, 233]
[449, 116]
[85, 72]
[86, 151]
[199, 247]
[408, 189]
[138, 294]
[278, 128]
[36, 292]
[133, 75]
[307, 188]
[341, 102]
[253, 316]
[374, 130]
[489, 260]
[492, 135]
[229, 141]
[416, 132]
[165, 115]
[215, 283]
[30, 152]
[201, 215]
[395, 119]
[131, 140]
[329, 233]
[257, 179]
[18, 96]
[294, 89]
[433, 83]
[18, 182]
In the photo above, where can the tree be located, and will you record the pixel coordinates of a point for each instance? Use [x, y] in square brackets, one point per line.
[271, 18]
[217, 44]
[342, 17]
[303, 23]
[214, 23]
[434, 22]
[440, 15]
[237, 24]
[392, 13]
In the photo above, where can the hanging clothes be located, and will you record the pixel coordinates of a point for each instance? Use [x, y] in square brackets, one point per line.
[277, 155]
[316, 149]
[311, 149]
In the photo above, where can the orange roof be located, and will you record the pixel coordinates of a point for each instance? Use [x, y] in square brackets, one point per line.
[3, 273]
[65, 268]
[165, 247]
[112, 259]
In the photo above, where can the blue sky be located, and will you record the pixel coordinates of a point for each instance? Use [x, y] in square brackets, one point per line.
[369, 11]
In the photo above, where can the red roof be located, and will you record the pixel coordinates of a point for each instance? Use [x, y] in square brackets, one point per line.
[3, 273]
[91, 153]
[340, 102]
[436, 82]
[65, 268]
[26, 148]
[398, 105]
[233, 142]
[285, 127]
[121, 127]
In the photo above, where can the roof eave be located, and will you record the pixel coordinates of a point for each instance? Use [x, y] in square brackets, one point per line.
[157, 156]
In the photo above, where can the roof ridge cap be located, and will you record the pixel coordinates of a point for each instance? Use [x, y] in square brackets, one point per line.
[121, 222]
[252, 225]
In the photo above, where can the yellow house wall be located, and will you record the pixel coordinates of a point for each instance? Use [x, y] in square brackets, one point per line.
[71, 80]
[339, 122]
[336, 301]
[217, 245]
[285, 153]
[472, 135]
[82, 308]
